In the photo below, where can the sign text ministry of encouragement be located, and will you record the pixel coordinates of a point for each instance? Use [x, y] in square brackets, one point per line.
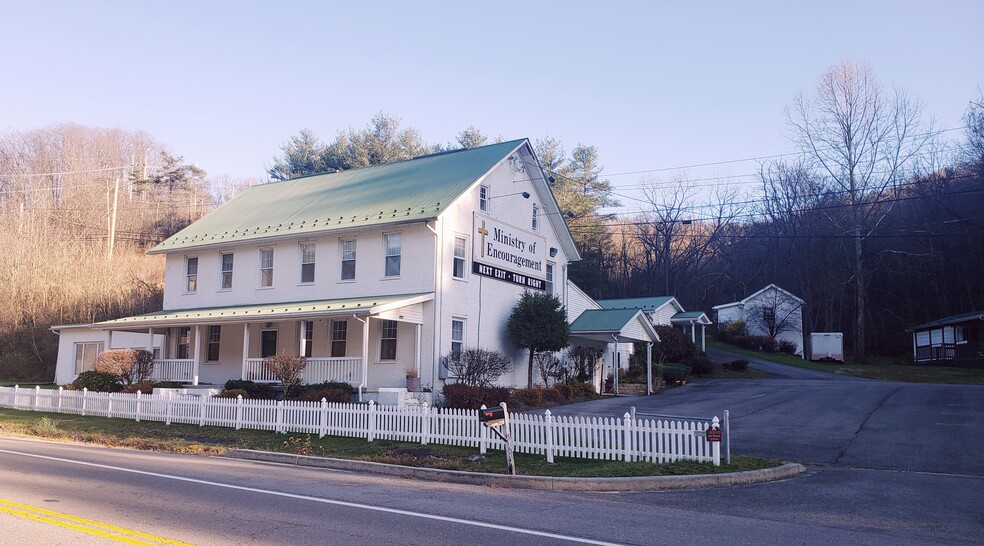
[506, 253]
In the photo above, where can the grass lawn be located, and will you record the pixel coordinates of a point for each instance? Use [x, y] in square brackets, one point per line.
[885, 371]
[190, 439]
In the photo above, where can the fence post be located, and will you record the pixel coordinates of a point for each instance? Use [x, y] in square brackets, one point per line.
[548, 423]
[280, 416]
[168, 408]
[239, 411]
[109, 404]
[371, 434]
[201, 411]
[425, 415]
[85, 393]
[37, 392]
[138, 406]
[323, 419]
[627, 427]
[716, 446]
[59, 399]
[727, 436]
[16, 389]
[482, 438]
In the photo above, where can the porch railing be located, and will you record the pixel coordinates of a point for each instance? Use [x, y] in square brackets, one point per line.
[173, 369]
[318, 370]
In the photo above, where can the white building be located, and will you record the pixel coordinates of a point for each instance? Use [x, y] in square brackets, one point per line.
[770, 311]
[367, 272]
[666, 310]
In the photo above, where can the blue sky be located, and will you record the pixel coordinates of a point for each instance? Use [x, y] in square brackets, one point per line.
[653, 85]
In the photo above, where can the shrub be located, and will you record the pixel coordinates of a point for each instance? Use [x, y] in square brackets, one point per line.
[550, 395]
[675, 372]
[701, 365]
[302, 390]
[731, 330]
[787, 347]
[530, 398]
[169, 385]
[287, 369]
[261, 391]
[97, 381]
[144, 387]
[458, 395]
[476, 367]
[340, 396]
[233, 393]
[737, 365]
[582, 390]
[672, 346]
[766, 344]
[129, 365]
[564, 390]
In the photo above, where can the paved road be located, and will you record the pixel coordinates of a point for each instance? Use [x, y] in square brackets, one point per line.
[217, 502]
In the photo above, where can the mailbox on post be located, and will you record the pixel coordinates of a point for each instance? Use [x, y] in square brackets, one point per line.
[492, 417]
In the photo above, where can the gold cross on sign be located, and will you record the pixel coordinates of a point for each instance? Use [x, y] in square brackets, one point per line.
[483, 232]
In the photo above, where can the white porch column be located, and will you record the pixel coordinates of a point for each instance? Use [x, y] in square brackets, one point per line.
[417, 356]
[649, 367]
[703, 341]
[245, 348]
[198, 355]
[109, 340]
[365, 356]
[150, 340]
[693, 333]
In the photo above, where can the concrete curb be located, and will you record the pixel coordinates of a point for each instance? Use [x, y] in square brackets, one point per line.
[642, 483]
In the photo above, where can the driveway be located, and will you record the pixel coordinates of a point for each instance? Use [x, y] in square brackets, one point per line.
[819, 418]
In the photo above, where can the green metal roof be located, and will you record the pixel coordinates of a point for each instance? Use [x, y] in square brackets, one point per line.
[602, 320]
[262, 312]
[965, 317]
[646, 304]
[414, 190]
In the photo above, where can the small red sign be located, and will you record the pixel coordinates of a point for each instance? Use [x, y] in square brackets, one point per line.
[713, 435]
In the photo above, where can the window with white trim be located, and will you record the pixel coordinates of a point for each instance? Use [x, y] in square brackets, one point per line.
[212, 349]
[339, 333]
[307, 338]
[225, 266]
[483, 198]
[307, 262]
[460, 247]
[191, 274]
[393, 254]
[348, 259]
[536, 217]
[85, 355]
[457, 337]
[387, 339]
[266, 267]
[550, 278]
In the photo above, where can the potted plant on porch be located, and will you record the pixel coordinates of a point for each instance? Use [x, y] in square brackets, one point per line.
[413, 380]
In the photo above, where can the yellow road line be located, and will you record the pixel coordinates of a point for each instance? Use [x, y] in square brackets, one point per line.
[112, 532]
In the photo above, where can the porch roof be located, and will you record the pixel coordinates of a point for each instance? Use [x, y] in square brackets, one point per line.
[688, 317]
[955, 319]
[628, 325]
[269, 312]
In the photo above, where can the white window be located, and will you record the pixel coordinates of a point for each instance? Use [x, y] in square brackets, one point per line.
[550, 278]
[339, 333]
[307, 338]
[348, 259]
[226, 267]
[191, 271]
[212, 350]
[483, 198]
[457, 337]
[460, 247]
[387, 340]
[536, 218]
[961, 334]
[307, 263]
[184, 342]
[85, 355]
[393, 251]
[266, 267]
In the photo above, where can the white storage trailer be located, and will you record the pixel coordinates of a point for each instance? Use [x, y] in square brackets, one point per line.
[827, 346]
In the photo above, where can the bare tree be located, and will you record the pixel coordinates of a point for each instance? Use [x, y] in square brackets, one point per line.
[775, 312]
[476, 367]
[862, 139]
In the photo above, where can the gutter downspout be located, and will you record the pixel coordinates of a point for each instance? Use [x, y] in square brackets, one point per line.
[365, 353]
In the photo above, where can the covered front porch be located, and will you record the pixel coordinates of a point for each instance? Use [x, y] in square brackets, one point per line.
[688, 321]
[366, 342]
[615, 330]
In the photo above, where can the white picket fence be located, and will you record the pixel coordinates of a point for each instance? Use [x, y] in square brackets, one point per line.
[624, 439]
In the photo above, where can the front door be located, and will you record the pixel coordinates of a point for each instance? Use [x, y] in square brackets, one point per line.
[268, 343]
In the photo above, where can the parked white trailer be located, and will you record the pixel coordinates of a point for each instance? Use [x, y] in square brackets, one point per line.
[827, 346]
